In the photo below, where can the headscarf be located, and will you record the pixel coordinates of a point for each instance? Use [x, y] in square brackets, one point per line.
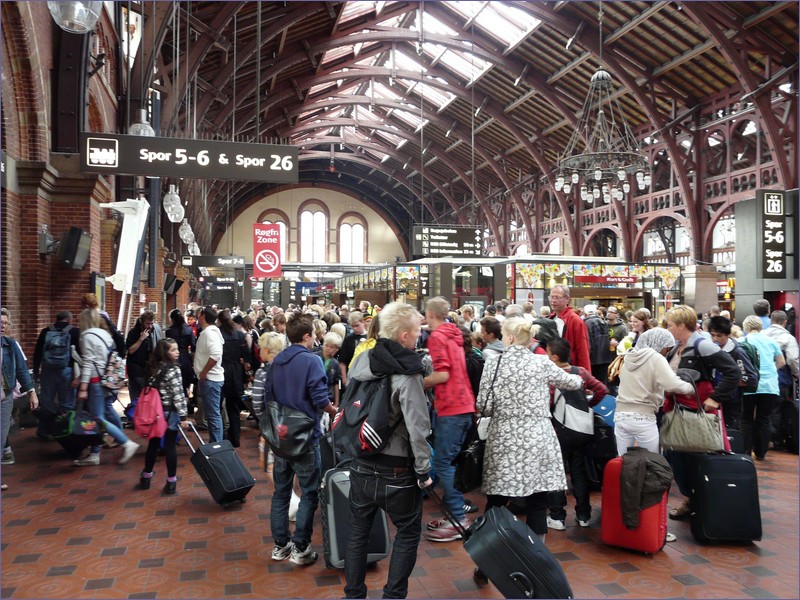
[656, 338]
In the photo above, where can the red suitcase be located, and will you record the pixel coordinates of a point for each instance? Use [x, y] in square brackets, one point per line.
[651, 534]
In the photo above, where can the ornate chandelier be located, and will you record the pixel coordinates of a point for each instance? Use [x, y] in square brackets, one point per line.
[610, 154]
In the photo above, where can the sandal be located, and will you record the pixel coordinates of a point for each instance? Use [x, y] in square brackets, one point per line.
[683, 511]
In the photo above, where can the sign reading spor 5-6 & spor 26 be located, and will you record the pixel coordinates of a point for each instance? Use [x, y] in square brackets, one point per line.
[266, 250]
[113, 154]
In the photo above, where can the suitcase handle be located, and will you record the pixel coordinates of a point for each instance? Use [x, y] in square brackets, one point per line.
[186, 437]
[459, 527]
[524, 583]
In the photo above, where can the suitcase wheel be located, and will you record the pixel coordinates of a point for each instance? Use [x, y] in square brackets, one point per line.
[479, 522]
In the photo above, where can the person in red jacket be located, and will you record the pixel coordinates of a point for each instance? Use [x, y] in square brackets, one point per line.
[454, 406]
[570, 326]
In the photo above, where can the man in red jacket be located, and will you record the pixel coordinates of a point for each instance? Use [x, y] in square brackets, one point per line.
[570, 326]
[454, 404]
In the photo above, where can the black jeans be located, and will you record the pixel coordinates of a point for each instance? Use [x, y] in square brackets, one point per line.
[756, 414]
[535, 509]
[575, 458]
[373, 487]
[233, 406]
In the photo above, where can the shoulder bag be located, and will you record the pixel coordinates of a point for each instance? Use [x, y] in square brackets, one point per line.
[686, 430]
[288, 431]
[469, 462]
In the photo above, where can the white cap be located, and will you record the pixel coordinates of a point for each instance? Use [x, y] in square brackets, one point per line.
[590, 309]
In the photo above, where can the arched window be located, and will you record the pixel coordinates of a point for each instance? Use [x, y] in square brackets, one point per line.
[313, 238]
[352, 243]
[284, 236]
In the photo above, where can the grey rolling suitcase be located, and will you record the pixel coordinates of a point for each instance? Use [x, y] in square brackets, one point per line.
[334, 498]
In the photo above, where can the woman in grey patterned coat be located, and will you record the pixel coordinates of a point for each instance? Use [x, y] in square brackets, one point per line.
[523, 457]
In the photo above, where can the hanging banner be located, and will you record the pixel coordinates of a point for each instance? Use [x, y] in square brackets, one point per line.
[266, 250]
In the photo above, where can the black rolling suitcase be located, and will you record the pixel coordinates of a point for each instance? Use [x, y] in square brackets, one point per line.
[334, 499]
[221, 470]
[511, 556]
[725, 506]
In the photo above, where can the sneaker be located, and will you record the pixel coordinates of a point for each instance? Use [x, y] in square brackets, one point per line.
[8, 458]
[306, 557]
[144, 482]
[555, 524]
[3, 486]
[88, 461]
[170, 487]
[671, 537]
[445, 533]
[469, 507]
[129, 448]
[581, 523]
[282, 552]
[436, 523]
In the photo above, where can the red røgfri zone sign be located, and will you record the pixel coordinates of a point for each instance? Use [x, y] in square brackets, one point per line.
[266, 250]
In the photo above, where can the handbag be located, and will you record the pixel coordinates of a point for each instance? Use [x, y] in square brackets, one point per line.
[74, 422]
[687, 430]
[469, 462]
[288, 431]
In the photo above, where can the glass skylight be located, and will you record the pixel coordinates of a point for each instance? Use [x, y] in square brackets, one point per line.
[507, 24]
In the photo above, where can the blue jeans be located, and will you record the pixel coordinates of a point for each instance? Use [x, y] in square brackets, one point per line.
[449, 433]
[5, 417]
[373, 487]
[96, 405]
[211, 392]
[56, 392]
[307, 469]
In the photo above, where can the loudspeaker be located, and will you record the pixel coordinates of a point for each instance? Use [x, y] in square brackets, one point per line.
[172, 284]
[73, 251]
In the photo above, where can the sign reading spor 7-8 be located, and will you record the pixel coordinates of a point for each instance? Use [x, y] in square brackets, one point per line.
[113, 154]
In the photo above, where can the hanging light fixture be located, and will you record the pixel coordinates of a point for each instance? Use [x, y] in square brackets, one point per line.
[76, 17]
[186, 234]
[172, 205]
[194, 249]
[141, 126]
[609, 155]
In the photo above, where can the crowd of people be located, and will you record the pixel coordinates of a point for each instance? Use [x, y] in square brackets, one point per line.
[448, 366]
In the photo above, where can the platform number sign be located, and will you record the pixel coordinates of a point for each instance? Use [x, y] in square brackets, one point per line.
[772, 220]
[266, 250]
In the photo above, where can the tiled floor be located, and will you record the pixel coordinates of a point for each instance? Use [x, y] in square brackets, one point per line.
[71, 532]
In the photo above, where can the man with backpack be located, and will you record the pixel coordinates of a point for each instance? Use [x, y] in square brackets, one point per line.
[391, 477]
[599, 343]
[720, 330]
[53, 366]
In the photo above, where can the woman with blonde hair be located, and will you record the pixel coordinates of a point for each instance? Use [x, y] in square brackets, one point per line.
[523, 457]
[701, 357]
[96, 344]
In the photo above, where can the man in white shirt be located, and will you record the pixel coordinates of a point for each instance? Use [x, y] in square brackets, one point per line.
[208, 367]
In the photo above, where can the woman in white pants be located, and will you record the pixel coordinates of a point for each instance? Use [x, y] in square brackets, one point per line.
[644, 378]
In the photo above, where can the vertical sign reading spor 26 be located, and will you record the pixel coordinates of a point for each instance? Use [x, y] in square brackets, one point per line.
[266, 250]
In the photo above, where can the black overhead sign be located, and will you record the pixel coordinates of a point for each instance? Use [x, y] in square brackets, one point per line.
[447, 240]
[772, 222]
[220, 262]
[194, 159]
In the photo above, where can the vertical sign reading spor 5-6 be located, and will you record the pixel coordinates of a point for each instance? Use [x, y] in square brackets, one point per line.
[266, 250]
[772, 219]
[113, 154]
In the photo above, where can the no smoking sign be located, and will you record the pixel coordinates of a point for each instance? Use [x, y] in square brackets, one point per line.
[266, 250]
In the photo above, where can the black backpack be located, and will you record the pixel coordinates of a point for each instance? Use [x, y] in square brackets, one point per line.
[361, 426]
[57, 353]
[548, 330]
